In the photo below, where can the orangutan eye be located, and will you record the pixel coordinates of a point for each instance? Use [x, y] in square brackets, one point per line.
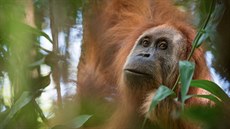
[145, 42]
[162, 44]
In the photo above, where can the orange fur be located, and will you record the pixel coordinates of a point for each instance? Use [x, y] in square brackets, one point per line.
[110, 31]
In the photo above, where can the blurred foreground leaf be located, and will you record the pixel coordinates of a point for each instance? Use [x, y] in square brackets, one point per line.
[75, 123]
[37, 32]
[79, 121]
[23, 100]
[41, 83]
[216, 117]
[37, 63]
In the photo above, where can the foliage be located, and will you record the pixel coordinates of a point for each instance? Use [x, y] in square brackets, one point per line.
[22, 57]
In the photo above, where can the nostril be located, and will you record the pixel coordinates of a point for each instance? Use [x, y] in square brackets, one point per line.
[144, 54]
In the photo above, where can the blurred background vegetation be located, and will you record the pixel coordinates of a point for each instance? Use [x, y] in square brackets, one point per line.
[39, 51]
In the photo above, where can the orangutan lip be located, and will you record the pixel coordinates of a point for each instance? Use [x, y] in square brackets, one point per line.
[135, 72]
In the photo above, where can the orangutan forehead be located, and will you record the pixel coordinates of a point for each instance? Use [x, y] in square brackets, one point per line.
[164, 31]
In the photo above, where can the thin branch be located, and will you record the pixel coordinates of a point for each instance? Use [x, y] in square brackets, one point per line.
[56, 69]
[197, 38]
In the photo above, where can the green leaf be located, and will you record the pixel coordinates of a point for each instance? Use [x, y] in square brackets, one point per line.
[200, 113]
[37, 63]
[36, 31]
[41, 33]
[78, 121]
[210, 97]
[214, 117]
[40, 112]
[203, 37]
[23, 100]
[60, 127]
[161, 93]
[186, 73]
[211, 87]
[204, 7]
[75, 123]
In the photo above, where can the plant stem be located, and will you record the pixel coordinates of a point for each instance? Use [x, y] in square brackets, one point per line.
[201, 30]
[197, 38]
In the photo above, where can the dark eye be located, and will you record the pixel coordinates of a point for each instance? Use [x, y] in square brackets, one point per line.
[162, 44]
[145, 42]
